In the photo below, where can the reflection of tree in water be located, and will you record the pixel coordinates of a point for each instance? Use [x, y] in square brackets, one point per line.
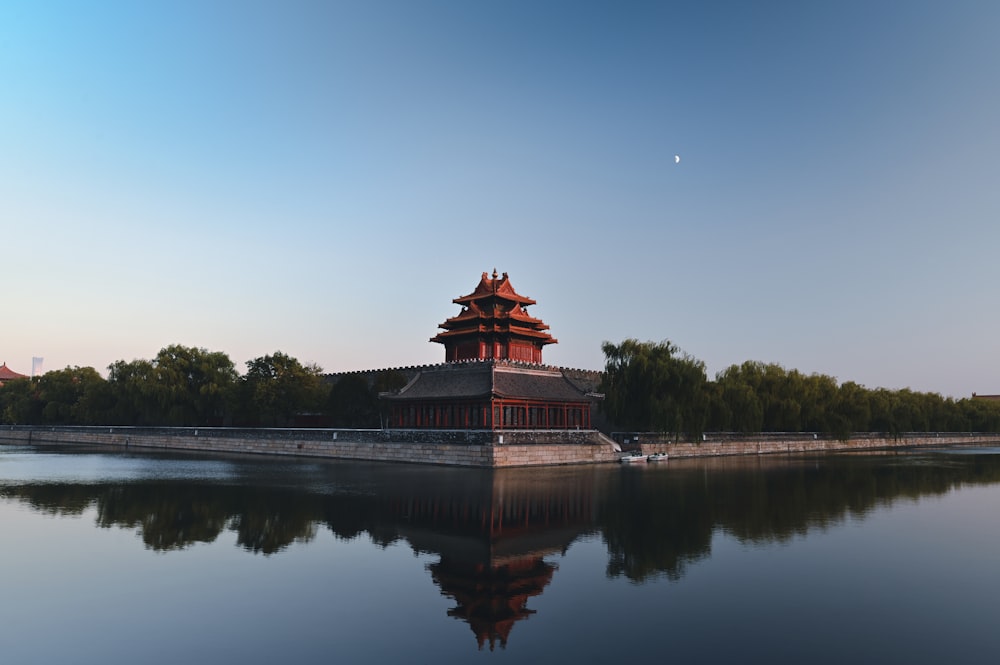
[791, 499]
[52, 499]
[167, 516]
[176, 515]
[655, 521]
[270, 523]
[493, 529]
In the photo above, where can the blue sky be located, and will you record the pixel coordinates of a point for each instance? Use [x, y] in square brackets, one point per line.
[323, 178]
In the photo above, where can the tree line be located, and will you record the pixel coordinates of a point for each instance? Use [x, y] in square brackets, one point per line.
[189, 386]
[648, 387]
[655, 387]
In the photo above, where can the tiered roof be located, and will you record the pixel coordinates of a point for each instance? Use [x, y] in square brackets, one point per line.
[494, 311]
[491, 598]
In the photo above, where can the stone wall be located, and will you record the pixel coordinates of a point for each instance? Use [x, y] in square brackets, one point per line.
[798, 443]
[474, 448]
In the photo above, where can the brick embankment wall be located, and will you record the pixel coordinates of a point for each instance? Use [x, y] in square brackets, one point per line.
[446, 447]
[473, 448]
[766, 445]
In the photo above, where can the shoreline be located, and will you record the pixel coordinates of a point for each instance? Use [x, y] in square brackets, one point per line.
[469, 448]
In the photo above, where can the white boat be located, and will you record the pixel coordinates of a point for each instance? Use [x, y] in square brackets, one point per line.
[657, 457]
[628, 458]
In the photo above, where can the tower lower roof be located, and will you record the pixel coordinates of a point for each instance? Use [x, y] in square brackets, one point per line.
[485, 379]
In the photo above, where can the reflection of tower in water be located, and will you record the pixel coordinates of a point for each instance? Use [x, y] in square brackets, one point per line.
[492, 596]
[493, 540]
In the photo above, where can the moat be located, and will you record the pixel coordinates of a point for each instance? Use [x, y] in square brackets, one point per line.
[820, 558]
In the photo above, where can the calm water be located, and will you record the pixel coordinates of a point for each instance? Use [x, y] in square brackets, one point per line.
[132, 558]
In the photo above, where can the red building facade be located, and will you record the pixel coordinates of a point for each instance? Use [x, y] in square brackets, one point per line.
[492, 377]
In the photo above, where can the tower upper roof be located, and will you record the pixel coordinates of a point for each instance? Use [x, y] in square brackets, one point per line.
[494, 323]
[494, 287]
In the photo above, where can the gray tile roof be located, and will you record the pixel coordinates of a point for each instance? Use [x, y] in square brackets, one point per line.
[534, 385]
[472, 381]
[482, 380]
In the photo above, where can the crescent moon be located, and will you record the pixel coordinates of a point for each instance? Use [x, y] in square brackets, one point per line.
[677, 159]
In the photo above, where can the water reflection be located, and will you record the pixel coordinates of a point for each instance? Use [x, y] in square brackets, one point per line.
[492, 538]
[494, 533]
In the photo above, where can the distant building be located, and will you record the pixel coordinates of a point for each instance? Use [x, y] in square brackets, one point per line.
[7, 374]
[994, 398]
[493, 377]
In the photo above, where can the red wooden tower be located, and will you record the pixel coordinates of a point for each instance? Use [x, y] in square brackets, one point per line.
[494, 324]
[492, 377]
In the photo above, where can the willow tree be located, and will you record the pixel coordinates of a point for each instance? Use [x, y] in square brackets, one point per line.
[651, 386]
[134, 393]
[765, 397]
[181, 386]
[195, 385]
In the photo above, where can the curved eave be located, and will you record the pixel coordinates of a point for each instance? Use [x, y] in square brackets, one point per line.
[494, 330]
[478, 298]
[533, 335]
[492, 322]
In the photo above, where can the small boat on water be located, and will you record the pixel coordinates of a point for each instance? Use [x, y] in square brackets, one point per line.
[657, 457]
[629, 458]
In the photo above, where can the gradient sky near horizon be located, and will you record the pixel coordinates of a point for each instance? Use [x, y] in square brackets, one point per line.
[323, 178]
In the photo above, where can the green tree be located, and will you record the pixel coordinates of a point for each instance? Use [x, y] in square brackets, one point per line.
[181, 386]
[354, 398]
[193, 386]
[70, 396]
[352, 403]
[982, 415]
[96, 403]
[20, 402]
[851, 410]
[881, 404]
[819, 392]
[746, 412]
[278, 386]
[908, 413]
[654, 387]
[133, 391]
